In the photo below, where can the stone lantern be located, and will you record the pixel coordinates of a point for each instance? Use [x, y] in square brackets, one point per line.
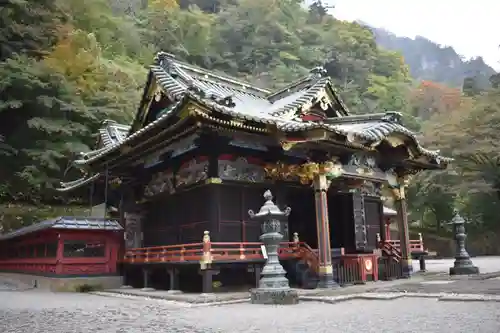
[463, 264]
[273, 286]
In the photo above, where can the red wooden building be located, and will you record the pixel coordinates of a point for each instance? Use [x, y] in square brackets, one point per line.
[204, 147]
[64, 246]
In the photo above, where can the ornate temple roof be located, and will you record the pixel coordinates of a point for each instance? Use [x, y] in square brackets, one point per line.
[67, 223]
[280, 109]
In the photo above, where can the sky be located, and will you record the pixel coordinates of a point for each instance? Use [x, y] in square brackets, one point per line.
[470, 27]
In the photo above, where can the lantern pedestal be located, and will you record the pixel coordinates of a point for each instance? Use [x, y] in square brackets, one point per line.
[464, 270]
[273, 286]
[274, 296]
[463, 264]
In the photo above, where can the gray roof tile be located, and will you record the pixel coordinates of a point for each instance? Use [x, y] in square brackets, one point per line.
[66, 222]
[182, 81]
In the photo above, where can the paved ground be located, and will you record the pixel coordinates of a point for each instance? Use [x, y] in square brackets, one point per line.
[40, 312]
[485, 264]
[32, 311]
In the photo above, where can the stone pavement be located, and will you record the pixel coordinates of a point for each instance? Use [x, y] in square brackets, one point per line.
[395, 306]
[488, 264]
[41, 312]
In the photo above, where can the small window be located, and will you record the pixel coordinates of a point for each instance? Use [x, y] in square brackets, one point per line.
[21, 252]
[51, 250]
[84, 249]
[30, 251]
[40, 250]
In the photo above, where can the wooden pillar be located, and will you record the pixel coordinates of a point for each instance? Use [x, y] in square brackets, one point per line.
[146, 275]
[173, 274]
[326, 279]
[404, 233]
[257, 272]
[59, 254]
[207, 286]
[387, 228]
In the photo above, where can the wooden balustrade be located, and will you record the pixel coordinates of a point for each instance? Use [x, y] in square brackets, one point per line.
[220, 252]
[416, 245]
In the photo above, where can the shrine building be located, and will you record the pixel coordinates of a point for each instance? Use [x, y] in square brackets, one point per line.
[203, 149]
[64, 253]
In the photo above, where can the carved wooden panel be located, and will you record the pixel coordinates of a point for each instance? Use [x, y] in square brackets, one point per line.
[192, 172]
[244, 169]
[160, 182]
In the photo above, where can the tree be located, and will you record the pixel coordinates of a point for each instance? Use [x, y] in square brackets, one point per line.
[29, 27]
[43, 121]
[430, 98]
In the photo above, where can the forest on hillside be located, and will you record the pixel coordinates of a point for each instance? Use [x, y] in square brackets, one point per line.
[430, 61]
[67, 65]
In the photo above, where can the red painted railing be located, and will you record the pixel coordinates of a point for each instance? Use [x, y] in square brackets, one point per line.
[219, 251]
[415, 245]
[213, 252]
[394, 246]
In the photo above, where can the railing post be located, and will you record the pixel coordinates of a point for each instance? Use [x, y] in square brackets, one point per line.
[206, 262]
[296, 239]
[242, 252]
[207, 250]
[164, 255]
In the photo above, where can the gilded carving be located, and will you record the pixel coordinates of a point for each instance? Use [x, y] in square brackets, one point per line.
[396, 185]
[287, 145]
[306, 172]
[240, 170]
[192, 172]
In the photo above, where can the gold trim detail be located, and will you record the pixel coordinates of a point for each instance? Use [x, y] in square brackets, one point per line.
[213, 180]
[306, 172]
[328, 269]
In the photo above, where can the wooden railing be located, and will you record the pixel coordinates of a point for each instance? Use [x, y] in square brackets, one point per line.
[390, 250]
[219, 252]
[416, 245]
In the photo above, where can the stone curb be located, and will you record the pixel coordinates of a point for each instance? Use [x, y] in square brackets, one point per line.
[389, 296]
[444, 275]
[15, 285]
[169, 301]
[445, 297]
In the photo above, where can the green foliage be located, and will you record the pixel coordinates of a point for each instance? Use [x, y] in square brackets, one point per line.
[29, 27]
[67, 65]
[16, 215]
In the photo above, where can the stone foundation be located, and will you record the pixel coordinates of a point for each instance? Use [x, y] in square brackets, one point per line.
[274, 296]
[464, 270]
[63, 283]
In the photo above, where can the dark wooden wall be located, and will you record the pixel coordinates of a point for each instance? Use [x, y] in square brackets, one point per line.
[345, 226]
[219, 208]
[233, 222]
[179, 218]
[373, 215]
[302, 218]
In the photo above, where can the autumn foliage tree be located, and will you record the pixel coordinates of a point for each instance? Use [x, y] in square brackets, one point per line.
[429, 98]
